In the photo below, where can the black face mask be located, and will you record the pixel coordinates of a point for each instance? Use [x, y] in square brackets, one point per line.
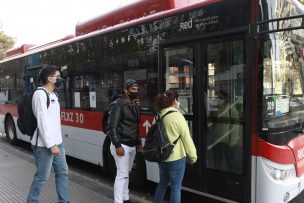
[58, 82]
[132, 95]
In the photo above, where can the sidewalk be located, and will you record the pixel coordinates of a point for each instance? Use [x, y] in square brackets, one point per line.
[16, 174]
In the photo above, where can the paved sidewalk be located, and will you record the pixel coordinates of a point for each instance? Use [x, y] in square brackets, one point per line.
[16, 173]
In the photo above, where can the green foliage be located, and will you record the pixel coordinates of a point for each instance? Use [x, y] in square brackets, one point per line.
[6, 42]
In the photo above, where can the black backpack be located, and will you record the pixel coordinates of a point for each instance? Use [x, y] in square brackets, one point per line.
[157, 147]
[27, 122]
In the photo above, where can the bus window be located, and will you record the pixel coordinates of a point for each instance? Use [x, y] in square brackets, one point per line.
[11, 83]
[225, 105]
[283, 100]
[179, 75]
[110, 81]
[143, 68]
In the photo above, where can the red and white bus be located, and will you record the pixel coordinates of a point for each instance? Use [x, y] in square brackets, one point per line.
[238, 68]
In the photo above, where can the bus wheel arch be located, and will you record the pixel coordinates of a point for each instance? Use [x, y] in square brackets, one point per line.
[10, 129]
[137, 176]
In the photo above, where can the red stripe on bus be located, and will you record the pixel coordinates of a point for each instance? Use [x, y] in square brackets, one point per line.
[145, 123]
[280, 154]
[292, 153]
[9, 108]
[93, 120]
[82, 119]
[297, 146]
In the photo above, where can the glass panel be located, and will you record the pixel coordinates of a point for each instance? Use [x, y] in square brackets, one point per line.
[179, 75]
[225, 92]
[283, 80]
[11, 82]
[142, 66]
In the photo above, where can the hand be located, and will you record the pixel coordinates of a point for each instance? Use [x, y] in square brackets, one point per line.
[137, 101]
[55, 150]
[120, 151]
[191, 161]
[140, 148]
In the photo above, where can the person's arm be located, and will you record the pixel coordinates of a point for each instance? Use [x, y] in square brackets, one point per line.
[138, 140]
[39, 105]
[186, 138]
[113, 123]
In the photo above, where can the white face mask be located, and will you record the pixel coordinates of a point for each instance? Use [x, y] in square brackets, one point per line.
[177, 104]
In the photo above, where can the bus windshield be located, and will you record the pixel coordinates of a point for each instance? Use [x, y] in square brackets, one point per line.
[283, 80]
[282, 68]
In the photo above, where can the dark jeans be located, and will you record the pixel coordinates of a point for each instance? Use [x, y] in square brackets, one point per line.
[170, 172]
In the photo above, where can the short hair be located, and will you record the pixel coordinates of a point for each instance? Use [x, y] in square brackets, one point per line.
[165, 100]
[47, 71]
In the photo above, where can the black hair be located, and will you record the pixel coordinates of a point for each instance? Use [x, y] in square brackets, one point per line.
[47, 71]
[165, 100]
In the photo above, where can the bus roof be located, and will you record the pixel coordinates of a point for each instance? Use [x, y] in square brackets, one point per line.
[29, 47]
[130, 12]
[53, 42]
[179, 6]
[18, 50]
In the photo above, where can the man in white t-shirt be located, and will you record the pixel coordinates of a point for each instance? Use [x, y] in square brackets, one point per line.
[47, 143]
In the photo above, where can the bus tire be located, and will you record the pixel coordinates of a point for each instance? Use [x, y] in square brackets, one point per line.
[10, 130]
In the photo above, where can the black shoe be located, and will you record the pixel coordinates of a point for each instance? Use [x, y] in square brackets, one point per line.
[128, 201]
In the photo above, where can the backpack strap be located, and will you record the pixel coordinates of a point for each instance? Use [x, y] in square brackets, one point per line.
[167, 114]
[175, 141]
[47, 105]
[47, 96]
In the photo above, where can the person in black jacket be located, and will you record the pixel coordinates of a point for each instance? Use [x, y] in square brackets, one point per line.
[125, 141]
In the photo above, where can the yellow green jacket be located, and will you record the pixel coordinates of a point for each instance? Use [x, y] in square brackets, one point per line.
[176, 125]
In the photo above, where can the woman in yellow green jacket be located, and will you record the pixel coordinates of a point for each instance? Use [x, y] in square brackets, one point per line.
[172, 169]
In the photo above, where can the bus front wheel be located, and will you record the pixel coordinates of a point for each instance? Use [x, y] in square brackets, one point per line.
[10, 130]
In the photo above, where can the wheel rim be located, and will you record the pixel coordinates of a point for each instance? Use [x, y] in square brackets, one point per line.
[10, 130]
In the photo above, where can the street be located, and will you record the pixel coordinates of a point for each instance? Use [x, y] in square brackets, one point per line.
[88, 182]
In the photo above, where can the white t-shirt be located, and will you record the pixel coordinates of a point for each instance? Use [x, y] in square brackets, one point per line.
[48, 119]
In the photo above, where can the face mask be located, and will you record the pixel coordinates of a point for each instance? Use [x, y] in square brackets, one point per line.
[177, 104]
[132, 95]
[58, 82]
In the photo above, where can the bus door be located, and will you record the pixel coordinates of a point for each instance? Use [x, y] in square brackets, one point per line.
[222, 124]
[178, 69]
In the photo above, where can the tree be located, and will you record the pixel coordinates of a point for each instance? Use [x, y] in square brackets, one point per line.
[6, 42]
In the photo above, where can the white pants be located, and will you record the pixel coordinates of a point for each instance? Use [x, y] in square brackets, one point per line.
[123, 165]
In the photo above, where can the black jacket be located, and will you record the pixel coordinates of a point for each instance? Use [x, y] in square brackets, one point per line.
[123, 123]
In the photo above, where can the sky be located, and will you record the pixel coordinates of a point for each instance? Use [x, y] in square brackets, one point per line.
[42, 21]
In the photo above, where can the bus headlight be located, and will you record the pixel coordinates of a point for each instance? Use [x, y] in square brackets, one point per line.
[279, 171]
[278, 174]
